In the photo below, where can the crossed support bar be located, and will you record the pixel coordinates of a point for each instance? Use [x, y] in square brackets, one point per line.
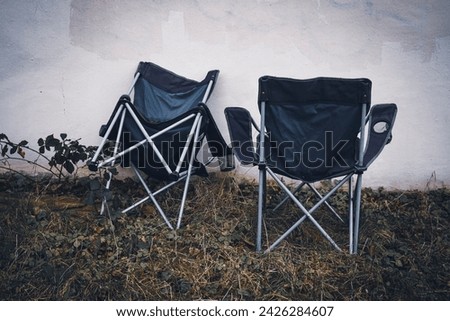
[184, 175]
[192, 141]
[353, 195]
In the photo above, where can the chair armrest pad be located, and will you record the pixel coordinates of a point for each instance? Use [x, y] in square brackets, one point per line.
[381, 122]
[239, 123]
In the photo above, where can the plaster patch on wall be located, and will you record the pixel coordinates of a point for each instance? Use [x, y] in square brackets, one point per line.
[321, 30]
[28, 30]
[173, 31]
[416, 25]
[358, 29]
[116, 29]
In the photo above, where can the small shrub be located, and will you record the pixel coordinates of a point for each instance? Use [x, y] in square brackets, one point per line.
[65, 158]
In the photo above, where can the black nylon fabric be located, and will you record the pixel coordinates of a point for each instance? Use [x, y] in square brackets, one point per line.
[159, 106]
[170, 81]
[161, 95]
[313, 125]
[170, 145]
[321, 89]
[240, 129]
[168, 99]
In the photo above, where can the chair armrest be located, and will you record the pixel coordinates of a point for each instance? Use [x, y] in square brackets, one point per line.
[381, 122]
[239, 123]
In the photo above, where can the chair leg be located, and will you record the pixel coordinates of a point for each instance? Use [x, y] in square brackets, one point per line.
[152, 197]
[307, 214]
[93, 162]
[299, 187]
[350, 215]
[116, 149]
[332, 210]
[357, 203]
[261, 207]
[104, 200]
[189, 172]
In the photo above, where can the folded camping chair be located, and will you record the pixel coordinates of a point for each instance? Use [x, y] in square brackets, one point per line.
[312, 130]
[159, 134]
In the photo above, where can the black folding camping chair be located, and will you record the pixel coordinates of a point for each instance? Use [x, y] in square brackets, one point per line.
[159, 134]
[312, 130]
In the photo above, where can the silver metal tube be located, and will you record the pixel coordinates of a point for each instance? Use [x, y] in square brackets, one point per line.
[146, 140]
[150, 194]
[105, 137]
[262, 178]
[299, 187]
[191, 161]
[261, 201]
[208, 90]
[116, 148]
[285, 234]
[362, 140]
[162, 189]
[357, 213]
[188, 142]
[149, 140]
[108, 131]
[357, 201]
[326, 203]
[262, 160]
[350, 215]
[305, 211]
[112, 158]
[136, 77]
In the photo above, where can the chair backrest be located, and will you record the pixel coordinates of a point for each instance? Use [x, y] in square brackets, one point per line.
[313, 124]
[161, 95]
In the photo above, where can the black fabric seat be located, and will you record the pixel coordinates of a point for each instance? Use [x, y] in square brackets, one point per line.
[312, 130]
[159, 132]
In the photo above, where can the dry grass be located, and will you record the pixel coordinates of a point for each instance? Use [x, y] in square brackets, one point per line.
[54, 247]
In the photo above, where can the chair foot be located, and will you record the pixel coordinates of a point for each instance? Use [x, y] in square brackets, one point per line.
[93, 166]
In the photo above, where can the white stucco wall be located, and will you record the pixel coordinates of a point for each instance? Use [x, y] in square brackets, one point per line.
[63, 64]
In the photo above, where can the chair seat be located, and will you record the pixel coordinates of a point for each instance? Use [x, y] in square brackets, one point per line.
[160, 133]
[311, 130]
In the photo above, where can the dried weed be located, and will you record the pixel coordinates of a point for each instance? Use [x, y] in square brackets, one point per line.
[54, 247]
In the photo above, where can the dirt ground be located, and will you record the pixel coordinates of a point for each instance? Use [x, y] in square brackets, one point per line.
[56, 246]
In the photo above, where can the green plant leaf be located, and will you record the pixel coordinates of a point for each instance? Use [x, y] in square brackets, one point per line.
[47, 141]
[75, 157]
[21, 152]
[4, 150]
[65, 153]
[59, 159]
[51, 141]
[69, 167]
